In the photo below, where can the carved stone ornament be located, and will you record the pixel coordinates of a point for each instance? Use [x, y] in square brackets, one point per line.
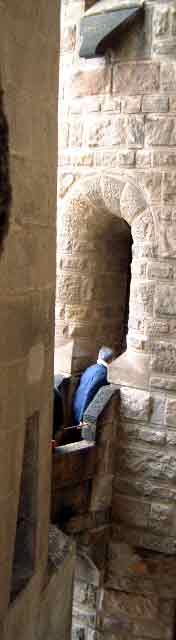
[102, 23]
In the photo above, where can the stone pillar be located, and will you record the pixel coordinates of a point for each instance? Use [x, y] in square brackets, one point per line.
[29, 45]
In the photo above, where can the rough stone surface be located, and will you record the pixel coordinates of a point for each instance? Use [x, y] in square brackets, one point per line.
[135, 77]
[160, 130]
[120, 132]
[91, 80]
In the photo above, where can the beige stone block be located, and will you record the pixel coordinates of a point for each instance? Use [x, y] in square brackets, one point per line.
[63, 135]
[160, 270]
[155, 104]
[126, 158]
[165, 158]
[143, 158]
[164, 358]
[135, 131]
[106, 158]
[141, 298]
[170, 414]
[161, 382]
[132, 202]
[135, 404]
[172, 103]
[77, 158]
[143, 228]
[106, 132]
[131, 104]
[135, 77]
[160, 130]
[169, 186]
[92, 78]
[110, 104]
[165, 300]
[173, 20]
[168, 76]
[161, 21]
[76, 133]
[88, 104]
[156, 327]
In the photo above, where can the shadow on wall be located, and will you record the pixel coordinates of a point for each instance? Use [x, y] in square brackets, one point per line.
[5, 188]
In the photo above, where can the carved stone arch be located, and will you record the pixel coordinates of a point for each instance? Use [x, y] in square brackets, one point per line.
[94, 205]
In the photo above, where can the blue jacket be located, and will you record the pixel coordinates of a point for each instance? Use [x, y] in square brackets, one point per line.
[91, 380]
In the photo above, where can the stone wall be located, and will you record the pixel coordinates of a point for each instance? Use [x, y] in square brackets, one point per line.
[29, 80]
[118, 136]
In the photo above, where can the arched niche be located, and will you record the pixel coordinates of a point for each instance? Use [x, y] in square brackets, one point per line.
[97, 220]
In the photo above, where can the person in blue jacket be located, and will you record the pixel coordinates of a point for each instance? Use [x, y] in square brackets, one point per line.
[91, 380]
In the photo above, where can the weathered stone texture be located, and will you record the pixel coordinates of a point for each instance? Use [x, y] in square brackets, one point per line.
[161, 21]
[164, 358]
[168, 76]
[127, 106]
[131, 104]
[164, 157]
[91, 80]
[155, 104]
[165, 301]
[170, 414]
[135, 77]
[160, 130]
[169, 188]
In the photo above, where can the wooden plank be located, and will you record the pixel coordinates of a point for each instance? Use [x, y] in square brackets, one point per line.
[73, 464]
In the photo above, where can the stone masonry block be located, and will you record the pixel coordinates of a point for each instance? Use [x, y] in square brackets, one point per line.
[135, 131]
[164, 158]
[170, 414]
[160, 270]
[160, 130]
[90, 80]
[134, 404]
[172, 103]
[135, 77]
[131, 104]
[142, 296]
[149, 463]
[169, 186]
[168, 76]
[165, 300]
[164, 357]
[173, 21]
[143, 158]
[76, 133]
[161, 21]
[162, 518]
[155, 104]
[107, 132]
[130, 606]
